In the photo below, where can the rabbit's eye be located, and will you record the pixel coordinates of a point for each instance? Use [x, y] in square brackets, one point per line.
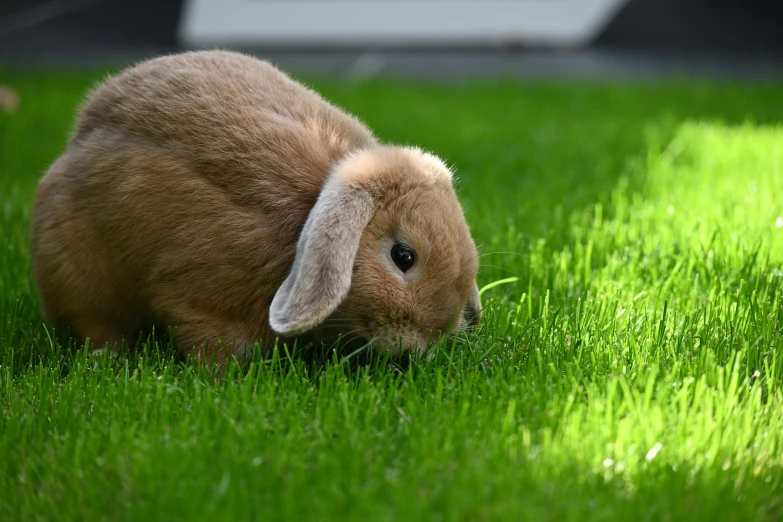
[402, 257]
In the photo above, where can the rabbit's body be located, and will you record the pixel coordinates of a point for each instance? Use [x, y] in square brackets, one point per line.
[180, 199]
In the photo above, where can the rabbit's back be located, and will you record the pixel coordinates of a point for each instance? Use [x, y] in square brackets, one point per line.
[236, 120]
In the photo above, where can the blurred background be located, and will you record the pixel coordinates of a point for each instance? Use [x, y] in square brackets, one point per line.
[417, 38]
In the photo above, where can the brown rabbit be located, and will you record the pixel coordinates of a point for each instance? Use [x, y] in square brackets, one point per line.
[209, 193]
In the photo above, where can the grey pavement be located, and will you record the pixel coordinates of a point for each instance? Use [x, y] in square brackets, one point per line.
[450, 65]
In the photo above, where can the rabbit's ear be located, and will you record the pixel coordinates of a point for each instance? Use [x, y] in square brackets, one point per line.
[320, 277]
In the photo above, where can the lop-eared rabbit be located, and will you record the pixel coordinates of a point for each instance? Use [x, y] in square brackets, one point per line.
[209, 193]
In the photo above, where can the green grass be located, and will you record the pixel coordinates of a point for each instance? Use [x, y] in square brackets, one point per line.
[633, 372]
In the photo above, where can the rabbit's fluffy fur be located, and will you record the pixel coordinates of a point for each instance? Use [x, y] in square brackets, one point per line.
[208, 193]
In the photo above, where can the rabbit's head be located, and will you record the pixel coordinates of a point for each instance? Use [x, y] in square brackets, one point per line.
[384, 256]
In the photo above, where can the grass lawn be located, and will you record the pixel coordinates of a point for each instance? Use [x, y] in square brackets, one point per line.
[634, 371]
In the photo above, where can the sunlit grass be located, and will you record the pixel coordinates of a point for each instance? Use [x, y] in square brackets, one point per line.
[629, 366]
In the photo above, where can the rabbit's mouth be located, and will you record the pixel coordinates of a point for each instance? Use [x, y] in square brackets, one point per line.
[371, 334]
[398, 341]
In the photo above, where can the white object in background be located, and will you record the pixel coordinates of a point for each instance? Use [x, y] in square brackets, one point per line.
[559, 23]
